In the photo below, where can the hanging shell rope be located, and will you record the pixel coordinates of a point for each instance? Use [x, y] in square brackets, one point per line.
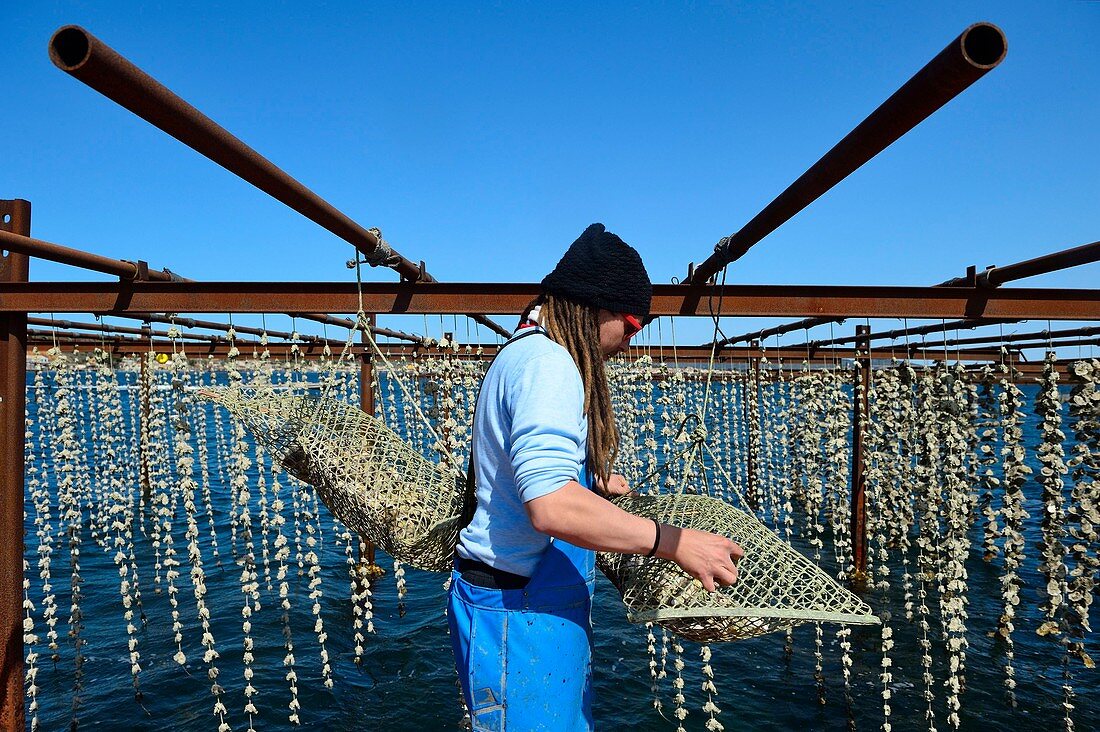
[82, 409]
[370, 478]
[412, 508]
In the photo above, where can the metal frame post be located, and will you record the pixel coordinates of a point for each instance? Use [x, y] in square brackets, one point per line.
[15, 216]
[860, 418]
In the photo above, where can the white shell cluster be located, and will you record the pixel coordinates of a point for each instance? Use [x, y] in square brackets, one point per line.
[944, 454]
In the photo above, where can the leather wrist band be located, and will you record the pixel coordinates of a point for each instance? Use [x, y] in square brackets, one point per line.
[656, 540]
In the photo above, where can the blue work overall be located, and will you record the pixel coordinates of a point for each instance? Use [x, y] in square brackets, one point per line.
[525, 656]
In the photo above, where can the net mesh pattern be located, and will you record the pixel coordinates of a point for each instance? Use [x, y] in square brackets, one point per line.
[369, 478]
[410, 507]
[777, 588]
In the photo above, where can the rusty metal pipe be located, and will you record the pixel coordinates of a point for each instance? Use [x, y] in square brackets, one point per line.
[121, 268]
[966, 59]
[86, 260]
[1056, 344]
[126, 270]
[83, 56]
[1015, 337]
[224, 327]
[763, 335]
[193, 323]
[807, 323]
[994, 276]
[80, 54]
[214, 343]
[908, 332]
[107, 328]
[991, 277]
[327, 319]
[1085, 254]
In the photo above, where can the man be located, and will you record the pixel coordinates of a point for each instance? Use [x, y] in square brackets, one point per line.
[544, 442]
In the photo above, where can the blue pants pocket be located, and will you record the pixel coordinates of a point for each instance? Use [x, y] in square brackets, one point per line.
[524, 669]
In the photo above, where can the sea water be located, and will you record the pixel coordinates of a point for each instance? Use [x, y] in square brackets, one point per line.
[407, 681]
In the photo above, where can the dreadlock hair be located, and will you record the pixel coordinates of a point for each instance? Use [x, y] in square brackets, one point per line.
[576, 327]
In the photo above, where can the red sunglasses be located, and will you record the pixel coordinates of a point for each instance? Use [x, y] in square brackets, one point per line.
[633, 326]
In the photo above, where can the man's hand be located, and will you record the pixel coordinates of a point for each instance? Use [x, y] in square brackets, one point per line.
[707, 557]
[582, 517]
[616, 486]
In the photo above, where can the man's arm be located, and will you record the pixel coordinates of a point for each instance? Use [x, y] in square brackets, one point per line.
[581, 517]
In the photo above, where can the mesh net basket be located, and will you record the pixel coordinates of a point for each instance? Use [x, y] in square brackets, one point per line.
[369, 478]
[777, 588]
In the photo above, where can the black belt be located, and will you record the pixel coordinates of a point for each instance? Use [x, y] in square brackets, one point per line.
[482, 575]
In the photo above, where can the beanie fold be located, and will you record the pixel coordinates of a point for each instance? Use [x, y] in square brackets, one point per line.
[601, 270]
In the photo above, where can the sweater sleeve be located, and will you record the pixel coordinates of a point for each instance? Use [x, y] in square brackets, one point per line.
[546, 404]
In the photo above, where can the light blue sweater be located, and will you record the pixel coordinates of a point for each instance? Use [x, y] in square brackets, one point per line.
[530, 438]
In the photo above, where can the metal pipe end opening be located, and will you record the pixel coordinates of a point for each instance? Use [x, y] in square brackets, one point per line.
[984, 45]
[70, 47]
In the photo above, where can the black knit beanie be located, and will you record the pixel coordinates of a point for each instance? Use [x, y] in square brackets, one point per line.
[602, 270]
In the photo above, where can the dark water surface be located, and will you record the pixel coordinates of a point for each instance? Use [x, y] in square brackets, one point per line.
[407, 681]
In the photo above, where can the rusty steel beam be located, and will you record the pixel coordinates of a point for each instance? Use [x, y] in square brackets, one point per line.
[966, 59]
[835, 301]
[84, 57]
[15, 217]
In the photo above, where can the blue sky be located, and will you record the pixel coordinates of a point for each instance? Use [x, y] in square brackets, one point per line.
[482, 138]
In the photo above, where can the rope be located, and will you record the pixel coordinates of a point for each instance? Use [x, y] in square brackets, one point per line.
[383, 254]
[362, 324]
[661, 468]
[716, 316]
[698, 438]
